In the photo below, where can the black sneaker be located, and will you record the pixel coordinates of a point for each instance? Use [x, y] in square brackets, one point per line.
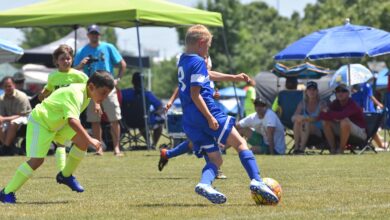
[163, 159]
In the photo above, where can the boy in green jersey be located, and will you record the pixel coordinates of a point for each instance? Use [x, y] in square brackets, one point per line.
[57, 119]
[62, 77]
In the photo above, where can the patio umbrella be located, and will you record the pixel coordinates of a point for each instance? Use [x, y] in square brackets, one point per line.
[358, 73]
[9, 52]
[302, 71]
[346, 41]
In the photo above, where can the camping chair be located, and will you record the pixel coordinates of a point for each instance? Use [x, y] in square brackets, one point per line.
[288, 101]
[132, 122]
[373, 121]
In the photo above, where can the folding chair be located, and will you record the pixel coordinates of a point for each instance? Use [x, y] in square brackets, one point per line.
[288, 101]
[373, 121]
[132, 122]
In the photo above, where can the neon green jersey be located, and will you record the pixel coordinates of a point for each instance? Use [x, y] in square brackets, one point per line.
[249, 99]
[64, 103]
[59, 79]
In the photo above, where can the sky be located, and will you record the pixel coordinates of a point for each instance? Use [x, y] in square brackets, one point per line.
[167, 42]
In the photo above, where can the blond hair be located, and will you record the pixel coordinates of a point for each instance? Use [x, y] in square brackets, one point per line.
[196, 33]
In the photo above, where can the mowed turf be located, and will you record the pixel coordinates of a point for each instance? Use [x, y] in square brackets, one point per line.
[131, 187]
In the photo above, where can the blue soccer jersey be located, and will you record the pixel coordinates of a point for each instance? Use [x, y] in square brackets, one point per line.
[192, 71]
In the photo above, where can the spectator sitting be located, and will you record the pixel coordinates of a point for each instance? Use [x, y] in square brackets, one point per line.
[291, 84]
[19, 83]
[156, 118]
[363, 95]
[263, 129]
[14, 108]
[343, 118]
[309, 107]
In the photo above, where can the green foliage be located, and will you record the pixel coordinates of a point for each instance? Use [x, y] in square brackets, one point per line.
[164, 78]
[255, 32]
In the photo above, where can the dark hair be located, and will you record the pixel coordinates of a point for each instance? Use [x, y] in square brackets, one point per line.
[62, 49]
[7, 78]
[136, 80]
[291, 83]
[102, 79]
[260, 102]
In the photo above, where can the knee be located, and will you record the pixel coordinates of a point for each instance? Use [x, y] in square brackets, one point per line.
[35, 163]
[345, 124]
[326, 124]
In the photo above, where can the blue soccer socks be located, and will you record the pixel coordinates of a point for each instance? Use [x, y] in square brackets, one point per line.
[248, 160]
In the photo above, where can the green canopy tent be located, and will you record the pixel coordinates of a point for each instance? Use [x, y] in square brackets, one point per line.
[115, 13]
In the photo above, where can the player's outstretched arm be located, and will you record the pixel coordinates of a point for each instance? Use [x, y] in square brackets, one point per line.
[79, 129]
[217, 76]
[172, 99]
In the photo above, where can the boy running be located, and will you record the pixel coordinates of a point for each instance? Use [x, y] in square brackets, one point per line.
[62, 77]
[204, 122]
[57, 119]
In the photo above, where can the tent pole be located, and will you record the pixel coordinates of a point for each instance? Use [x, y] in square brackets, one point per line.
[231, 71]
[75, 27]
[143, 88]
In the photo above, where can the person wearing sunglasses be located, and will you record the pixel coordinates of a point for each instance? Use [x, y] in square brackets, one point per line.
[343, 118]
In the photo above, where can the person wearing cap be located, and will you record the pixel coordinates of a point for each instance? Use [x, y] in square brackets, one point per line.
[19, 83]
[311, 106]
[98, 55]
[263, 129]
[343, 118]
[14, 109]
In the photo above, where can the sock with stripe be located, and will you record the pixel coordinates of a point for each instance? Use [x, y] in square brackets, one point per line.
[22, 174]
[75, 156]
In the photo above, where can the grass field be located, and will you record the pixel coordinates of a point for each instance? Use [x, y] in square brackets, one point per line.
[314, 187]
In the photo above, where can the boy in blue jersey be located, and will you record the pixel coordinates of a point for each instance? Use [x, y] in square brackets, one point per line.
[205, 124]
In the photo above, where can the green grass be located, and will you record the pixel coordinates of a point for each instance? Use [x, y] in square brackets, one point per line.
[314, 187]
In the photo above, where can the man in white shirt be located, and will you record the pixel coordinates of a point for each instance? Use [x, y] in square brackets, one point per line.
[263, 129]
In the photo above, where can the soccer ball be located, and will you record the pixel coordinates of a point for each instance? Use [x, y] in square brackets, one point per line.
[274, 186]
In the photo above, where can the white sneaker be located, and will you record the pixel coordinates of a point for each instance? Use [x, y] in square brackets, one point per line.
[264, 191]
[210, 193]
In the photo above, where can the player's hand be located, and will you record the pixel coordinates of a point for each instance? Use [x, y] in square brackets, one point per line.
[83, 62]
[98, 110]
[243, 77]
[213, 123]
[167, 107]
[96, 143]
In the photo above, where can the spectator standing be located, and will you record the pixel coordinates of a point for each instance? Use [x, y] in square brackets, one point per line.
[14, 109]
[250, 97]
[99, 55]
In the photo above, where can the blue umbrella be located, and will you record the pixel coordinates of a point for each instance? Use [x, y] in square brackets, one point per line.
[9, 52]
[359, 74]
[382, 49]
[302, 71]
[346, 41]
